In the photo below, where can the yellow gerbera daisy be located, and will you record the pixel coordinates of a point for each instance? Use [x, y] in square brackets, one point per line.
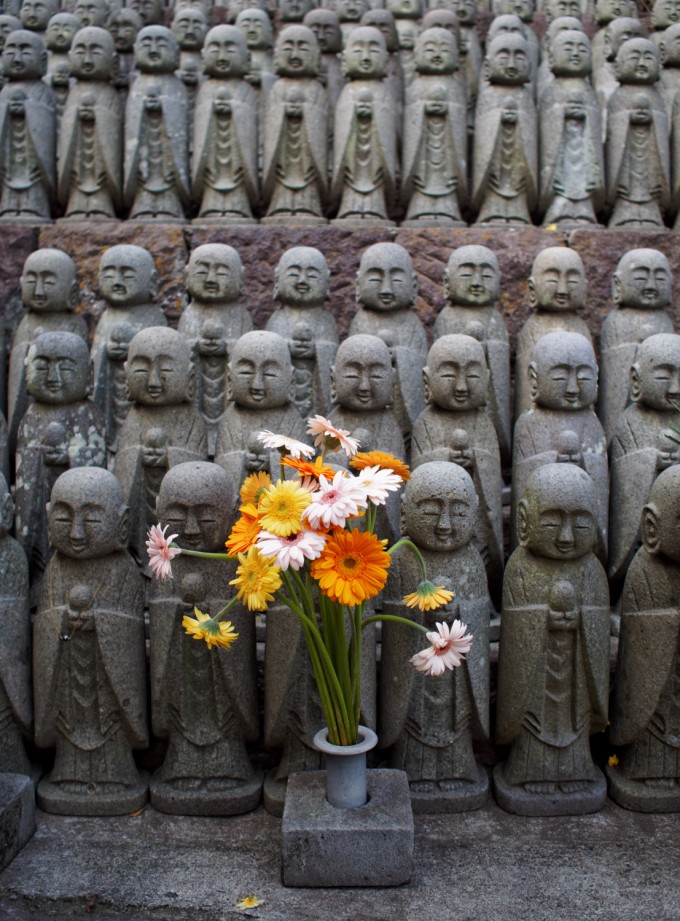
[215, 633]
[244, 532]
[352, 567]
[380, 459]
[281, 507]
[257, 578]
[428, 597]
[254, 486]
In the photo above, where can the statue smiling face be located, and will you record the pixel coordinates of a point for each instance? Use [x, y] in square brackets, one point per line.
[87, 517]
[302, 278]
[557, 514]
[386, 280]
[642, 280]
[159, 370]
[127, 276]
[456, 374]
[156, 51]
[92, 55]
[58, 369]
[365, 56]
[48, 281]
[563, 372]
[363, 377]
[472, 277]
[436, 52]
[557, 282]
[260, 371]
[215, 273]
[439, 507]
[24, 56]
[296, 53]
[196, 500]
[225, 53]
[60, 32]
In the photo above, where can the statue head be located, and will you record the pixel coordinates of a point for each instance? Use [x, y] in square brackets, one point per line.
[215, 271]
[505, 24]
[637, 62]
[6, 508]
[655, 375]
[190, 28]
[225, 53]
[557, 515]
[196, 500]
[159, 370]
[362, 376]
[557, 282]
[92, 55]
[257, 28]
[150, 11]
[326, 27]
[436, 52]
[443, 19]
[296, 52]
[234, 7]
[204, 6]
[439, 507]
[58, 369]
[383, 21]
[555, 8]
[405, 9]
[569, 54]
[619, 31]
[466, 11]
[524, 9]
[472, 277]
[124, 25]
[351, 10]
[660, 519]
[295, 10]
[664, 14]
[156, 51]
[48, 281]
[507, 59]
[669, 46]
[563, 372]
[607, 10]
[562, 24]
[24, 56]
[127, 276]
[86, 516]
[260, 371]
[386, 280]
[35, 14]
[302, 278]
[60, 32]
[456, 375]
[92, 12]
[365, 56]
[643, 280]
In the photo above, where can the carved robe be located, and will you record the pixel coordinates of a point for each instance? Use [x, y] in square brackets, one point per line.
[16, 698]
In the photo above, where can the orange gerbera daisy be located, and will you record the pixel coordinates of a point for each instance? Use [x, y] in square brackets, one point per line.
[307, 468]
[244, 532]
[253, 487]
[380, 459]
[352, 567]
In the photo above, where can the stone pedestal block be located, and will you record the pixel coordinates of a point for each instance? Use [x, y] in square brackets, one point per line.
[17, 815]
[517, 800]
[642, 797]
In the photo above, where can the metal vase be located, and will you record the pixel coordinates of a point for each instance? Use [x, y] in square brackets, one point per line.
[346, 768]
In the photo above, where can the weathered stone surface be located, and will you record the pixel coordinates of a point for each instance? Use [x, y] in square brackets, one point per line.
[17, 815]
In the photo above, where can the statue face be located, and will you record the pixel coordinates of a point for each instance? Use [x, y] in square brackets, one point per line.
[91, 55]
[295, 10]
[158, 372]
[196, 502]
[58, 369]
[466, 10]
[555, 8]
[363, 375]
[91, 12]
[48, 282]
[606, 10]
[386, 281]
[439, 508]
[35, 14]
[405, 9]
[225, 53]
[670, 46]
[558, 523]
[256, 26]
[190, 29]
[365, 55]
[643, 280]
[558, 282]
[637, 62]
[296, 52]
[570, 54]
[436, 53]
[87, 518]
[126, 276]
[60, 31]
[564, 374]
[383, 21]
[150, 11]
[664, 12]
[457, 376]
[215, 275]
[198, 525]
[508, 60]
[472, 277]
[261, 378]
[124, 26]
[351, 10]
[522, 8]
[658, 376]
[24, 56]
[156, 50]
[408, 31]
[326, 27]
[302, 278]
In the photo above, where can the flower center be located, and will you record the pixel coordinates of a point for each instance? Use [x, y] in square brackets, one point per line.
[330, 497]
[350, 563]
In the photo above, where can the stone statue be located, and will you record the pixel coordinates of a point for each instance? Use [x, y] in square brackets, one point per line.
[383, 21]
[553, 670]
[557, 289]
[646, 699]
[544, 75]
[50, 294]
[606, 11]
[257, 28]
[325, 25]
[504, 167]
[16, 699]
[405, 12]
[261, 386]
[35, 14]
[162, 428]
[90, 155]
[641, 291]
[349, 14]
[640, 447]
[605, 80]
[553, 9]
[88, 653]
[91, 13]
[295, 167]
[204, 701]
[4, 445]
[434, 167]
[224, 174]
[190, 27]
[128, 283]
[27, 131]
[124, 25]
[570, 137]
[524, 10]
[156, 171]
[294, 11]
[61, 428]
[365, 133]
[386, 291]
[302, 286]
[455, 427]
[561, 426]
[511, 24]
[472, 284]
[59, 35]
[211, 323]
[669, 79]
[664, 14]
[432, 721]
[150, 11]
[637, 147]
[471, 52]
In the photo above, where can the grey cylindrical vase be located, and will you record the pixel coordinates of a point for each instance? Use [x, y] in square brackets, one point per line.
[346, 768]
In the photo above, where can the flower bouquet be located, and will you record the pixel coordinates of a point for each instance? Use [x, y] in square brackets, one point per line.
[308, 541]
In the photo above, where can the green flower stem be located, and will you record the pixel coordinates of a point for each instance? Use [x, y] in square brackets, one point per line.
[203, 554]
[395, 619]
[227, 607]
[371, 512]
[405, 542]
[356, 659]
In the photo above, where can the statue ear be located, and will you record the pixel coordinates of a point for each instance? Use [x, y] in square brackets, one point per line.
[230, 394]
[531, 284]
[153, 284]
[533, 380]
[617, 69]
[7, 513]
[124, 527]
[616, 288]
[73, 294]
[426, 385]
[191, 385]
[127, 383]
[333, 393]
[649, 529]
[662, 52]
[414, 290]
[523, 522]
[634, 382]
[447, 286]
[486, 70]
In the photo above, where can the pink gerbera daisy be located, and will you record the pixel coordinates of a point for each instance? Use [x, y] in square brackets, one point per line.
[335, 501]
[293, 550]
[448, 649]
[323, 429]
[160, 551]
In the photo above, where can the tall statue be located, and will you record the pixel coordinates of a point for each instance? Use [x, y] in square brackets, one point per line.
[511, 24]
[124, 25]
[646, 704]
[669, 79]
[190, 27]
[553, 670]
[544, 75]
[607, 11]
[61, 30]
[91, 12]
[204, 701]
[27, 131]
[35, 14]
[349, 14]
[471, 52]
[325, 25]
[383, 21]
[150, 11]
[88, 653]
[432, 721]
[257, 28]
[605, 78]
[224, 176]
[156, 171]
[302, 287]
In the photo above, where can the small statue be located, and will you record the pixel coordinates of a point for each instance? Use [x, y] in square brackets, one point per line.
[27, 131]
[383, 21]
[561, 426]
[224, 175]
[606, 11]
[646, 698]
[91, 13]
[472, 285]
[641, 291]
[664, 14]
[61, 30]
[128, 283]
[16, 698]
[640, 447]
[432, 721]
[553, 670]
[294, 11]
[365, 133]
[211, 323]
[325, 25]
[405, 12]
[504, 169]
[524, 10]
[471, 52]
[35, 14]
[150, 11]
[124, 25]
[510, 24]
[88, 653]
[204, 701]
[553, 9]
[190, 27]
[302, 286]
[257, 28]
[261, 389]
[605, 80]
[669, 79]
[349, 14]
[156, 169]
[557, 289]
[544, 75]
[434, 173]
[637, 147]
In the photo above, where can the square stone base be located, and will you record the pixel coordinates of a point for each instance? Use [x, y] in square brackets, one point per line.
[371, 845]
[17, 814]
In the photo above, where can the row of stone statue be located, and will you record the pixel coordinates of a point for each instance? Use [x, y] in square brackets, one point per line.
[89, 664]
